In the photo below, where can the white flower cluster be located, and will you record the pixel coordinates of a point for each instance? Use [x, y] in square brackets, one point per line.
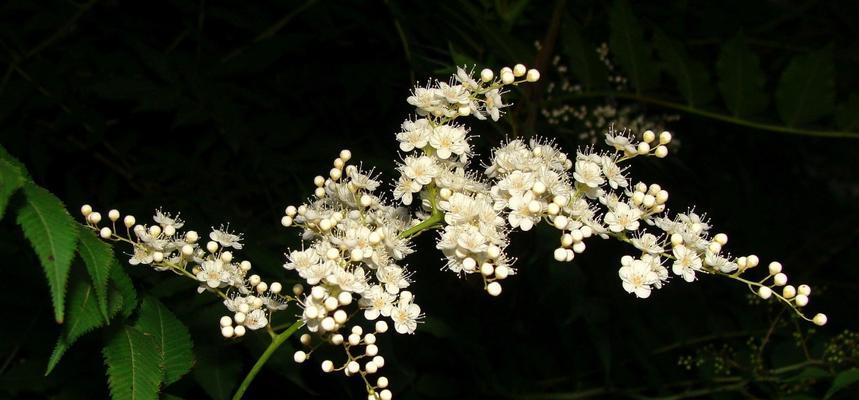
[162, 247]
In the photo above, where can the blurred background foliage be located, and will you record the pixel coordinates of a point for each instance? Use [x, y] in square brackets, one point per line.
[225, 112]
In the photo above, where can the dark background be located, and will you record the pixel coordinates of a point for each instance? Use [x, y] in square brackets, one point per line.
[225, 112]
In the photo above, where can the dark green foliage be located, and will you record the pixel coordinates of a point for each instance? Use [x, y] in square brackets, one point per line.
[741, 79]
[132, 363]
[171, 337]
[806, 91]
[632, 51]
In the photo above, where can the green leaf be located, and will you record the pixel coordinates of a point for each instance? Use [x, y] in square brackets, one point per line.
[98, 258]
[171, 336]
[83, 316]
[132, 365]
[847, 116]
[806, 91]
[584, 62]
[633, 54]
[53, 234]
[217, 372]
[120, 281]
[741, 79]
[10, 181]
[842, 380]
[691, 76]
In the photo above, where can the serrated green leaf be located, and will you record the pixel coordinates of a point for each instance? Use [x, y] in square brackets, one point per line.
[691, 76]
[53, 234]
[10, 181]
[132, 363]
[171, 336]
[632, 53]
[217, 372]
[83, 316]
[806, 91]
[98, 258]
[842, 380]
[582, 55]
[120, 281]
[847, 115]
[741, 80]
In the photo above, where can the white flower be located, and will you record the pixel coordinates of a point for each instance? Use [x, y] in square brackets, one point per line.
[588, 173]
[465, 78]
[141, 256]
[361, 180]
[212, 273]
[377, 301]
[454, 94]
[720, 263]
[415, 134]
[637, 278]
[647, 243]
[301, 260]
[424, 99]
[493, 104]
[226, 238]
[405, 315]
[613, 173]
[686, 263]
[317, 272]
[521, 216]
[420, 169]
[619, 142]
[392, 277]
[622, 217]
[404, 189]
[447, 140]
[255, 319]
[164, 219]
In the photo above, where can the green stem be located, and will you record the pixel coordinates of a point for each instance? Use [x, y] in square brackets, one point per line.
[428, 223]
[278, 340]
[713, 115]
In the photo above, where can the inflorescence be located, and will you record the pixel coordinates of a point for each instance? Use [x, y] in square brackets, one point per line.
[356, 240]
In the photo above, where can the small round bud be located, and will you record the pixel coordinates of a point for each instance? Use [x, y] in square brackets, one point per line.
[366, 200]
[519, 70]
[305, 339]
[664, 137]
[788, 292]
[94, 217]
[721, 238]
[662, 197]
[291, 210]
[494, 288]
[353, 367]
[370, 339]
[379, 360]
[226, 321]
[340, 316]
[275, 287]
[714, 247]
[561, 222]
[533, 75]
[382, 382]
[469, 264]
[337, 339]
[560, 254]
[371, 350]
[752, 261]
[345, 155]
[820, 319]
[157, 256]
[464, 111]
[254, 280]
[385, 395]
[339, 163]
[335, 174]
[371, 367]
[245, 265]
[331, 303]
[486, 75]
[661, 151]
[154, 230]
[643, 148]
[129, 221]
[507, 77]
[191, 237]
[227, 256]
[381, 327]
[286, 221]
[676, 239]
[539, 188]
[297, 289]
[804, 289]
[227, 331]
[801, 300]
[240, 317]
[317, 292]
[239, 331]
[299, 356]
[501, 272]
[105, 233]
[328, 324]
[493, 251]
[262, 287]
[332, 254]
[765, 292]
[357, 330]
[244, 308]
[345, 298]
[212, 246]
[169, 230]
[780, 279]
[327, 366]
[775, 267]
[86, 210]
[113, 215]
[648, 136]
